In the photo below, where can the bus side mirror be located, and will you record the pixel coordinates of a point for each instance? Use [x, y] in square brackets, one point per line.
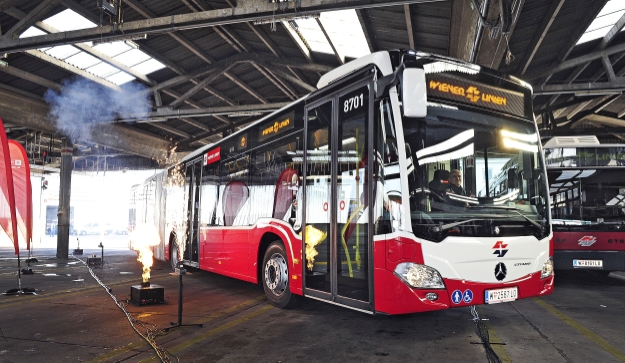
[414, 98]
[512, 178]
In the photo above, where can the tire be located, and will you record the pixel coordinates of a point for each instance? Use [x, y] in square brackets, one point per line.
[275, 277]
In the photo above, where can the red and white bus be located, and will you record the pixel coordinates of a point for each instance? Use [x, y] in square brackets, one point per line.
[587, 193]
[343, 196]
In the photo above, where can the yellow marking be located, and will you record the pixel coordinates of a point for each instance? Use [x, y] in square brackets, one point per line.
[499, 349]
[580, 328]
[188, 343]
[131, 346]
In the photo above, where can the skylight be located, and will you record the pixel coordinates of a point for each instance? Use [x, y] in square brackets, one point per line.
[69, 20]
[343, 29]
[609, 15]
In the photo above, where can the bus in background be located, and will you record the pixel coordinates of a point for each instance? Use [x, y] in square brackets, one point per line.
[344, 196]
[587, 192]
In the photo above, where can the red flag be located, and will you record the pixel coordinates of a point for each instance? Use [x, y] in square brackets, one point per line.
[23, 190]
[7, 197]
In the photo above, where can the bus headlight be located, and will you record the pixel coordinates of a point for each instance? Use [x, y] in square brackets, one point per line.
[419, 276]
[547, 268]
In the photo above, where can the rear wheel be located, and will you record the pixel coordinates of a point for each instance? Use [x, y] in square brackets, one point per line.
[275, 276]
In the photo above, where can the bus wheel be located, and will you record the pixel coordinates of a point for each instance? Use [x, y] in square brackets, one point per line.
[275, 275]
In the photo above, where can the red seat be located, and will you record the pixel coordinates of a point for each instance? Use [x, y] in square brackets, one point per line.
[235, 196]
[283, 196]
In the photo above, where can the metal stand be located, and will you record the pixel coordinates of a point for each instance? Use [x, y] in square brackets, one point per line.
[20, 290]
[182, 271]
[102, 255]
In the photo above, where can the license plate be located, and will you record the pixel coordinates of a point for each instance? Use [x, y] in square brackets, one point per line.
[501, 295]
[588, 263]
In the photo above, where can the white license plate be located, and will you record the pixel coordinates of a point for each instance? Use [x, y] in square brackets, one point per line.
[501, 295]
[588, 263]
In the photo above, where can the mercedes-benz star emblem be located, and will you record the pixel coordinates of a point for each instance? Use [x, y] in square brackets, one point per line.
[500, 271]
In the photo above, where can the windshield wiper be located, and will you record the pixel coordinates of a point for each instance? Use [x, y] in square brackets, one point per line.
[538, 225]
[450, 225]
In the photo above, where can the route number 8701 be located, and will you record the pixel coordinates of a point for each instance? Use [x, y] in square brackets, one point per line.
[353, 103]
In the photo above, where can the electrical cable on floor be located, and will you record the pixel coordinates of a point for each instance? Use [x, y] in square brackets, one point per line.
[152, 331]
[482, 333]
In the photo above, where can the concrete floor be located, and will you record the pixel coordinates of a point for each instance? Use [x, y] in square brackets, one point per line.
[73, 319]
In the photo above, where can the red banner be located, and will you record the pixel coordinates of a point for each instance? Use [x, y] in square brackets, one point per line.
[23, 190]
[7, 197]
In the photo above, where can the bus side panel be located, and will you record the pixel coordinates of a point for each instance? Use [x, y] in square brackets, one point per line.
[210, 247]
[292, 245]
[234, 256]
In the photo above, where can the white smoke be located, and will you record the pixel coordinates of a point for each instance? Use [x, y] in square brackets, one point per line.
[82, 104]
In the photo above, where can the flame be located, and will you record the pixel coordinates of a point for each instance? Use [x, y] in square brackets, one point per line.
[142, 239]
[314, 237]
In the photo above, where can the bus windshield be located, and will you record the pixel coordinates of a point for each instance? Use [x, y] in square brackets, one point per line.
[584, 199]
[474, 174]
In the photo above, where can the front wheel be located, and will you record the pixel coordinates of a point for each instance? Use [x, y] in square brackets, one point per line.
[275, 276]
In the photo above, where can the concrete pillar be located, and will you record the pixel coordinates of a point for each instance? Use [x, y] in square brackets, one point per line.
[62, 239]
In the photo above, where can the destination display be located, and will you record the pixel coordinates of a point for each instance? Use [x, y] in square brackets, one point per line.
[476, 94]
[276, 127]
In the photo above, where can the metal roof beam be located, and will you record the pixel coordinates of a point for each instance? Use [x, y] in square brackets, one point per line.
[575, 62]
[7, 4]
[70, 68]
[540, 34]
[278, 83]
[408, 17]
[582, 88]
[33, 114]
[260, 33]
[597, 5]
[34, 16]
[18, 14]
[31, 77]
[253, 11]
[166, 112]
[198, 87]
[247, 88]
[325, 33]
[363, 18]
[607, 39]
[171, 130]
[188, 44]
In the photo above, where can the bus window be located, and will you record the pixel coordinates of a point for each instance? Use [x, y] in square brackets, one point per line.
[209, 196]
[275, 180]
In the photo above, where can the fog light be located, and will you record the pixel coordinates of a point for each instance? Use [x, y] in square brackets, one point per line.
[432, 296]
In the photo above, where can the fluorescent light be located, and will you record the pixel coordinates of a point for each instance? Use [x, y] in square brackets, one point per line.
[523, 137]
[465, 151]
[514, 144]
[448, 144]
[3, 64]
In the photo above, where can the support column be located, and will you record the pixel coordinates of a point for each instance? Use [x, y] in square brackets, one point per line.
[62, 239]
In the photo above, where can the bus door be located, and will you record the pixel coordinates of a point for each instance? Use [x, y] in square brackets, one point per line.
[337, 234]
[193, 176]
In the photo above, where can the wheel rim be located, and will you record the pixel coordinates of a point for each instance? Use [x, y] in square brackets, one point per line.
[276, 274]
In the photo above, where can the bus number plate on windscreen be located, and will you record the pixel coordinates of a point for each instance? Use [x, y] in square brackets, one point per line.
[588, 263]
[501, 295]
